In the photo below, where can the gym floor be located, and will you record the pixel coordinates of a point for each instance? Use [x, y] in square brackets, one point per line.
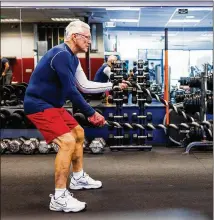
[161, 183]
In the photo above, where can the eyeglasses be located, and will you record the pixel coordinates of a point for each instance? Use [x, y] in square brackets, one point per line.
[86, 37]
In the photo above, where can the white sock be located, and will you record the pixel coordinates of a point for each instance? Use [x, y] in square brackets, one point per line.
[77, 175]
[59, 192]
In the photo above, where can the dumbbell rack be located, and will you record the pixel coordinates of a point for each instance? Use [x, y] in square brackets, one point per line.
[204, 76]
[140, 133]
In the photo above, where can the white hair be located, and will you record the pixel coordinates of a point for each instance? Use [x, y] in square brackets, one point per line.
[76, 26]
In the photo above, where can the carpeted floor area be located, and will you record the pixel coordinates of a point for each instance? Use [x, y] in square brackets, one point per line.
[161, 184]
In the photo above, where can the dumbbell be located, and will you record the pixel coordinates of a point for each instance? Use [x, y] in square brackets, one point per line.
[137, 139]
[148, 117]
[4, 117]
[195, 133]
[144, 84]
[44, 148]
[184, 81]
[15, 145]
[114, 77]
[118, 101]
[17, 119]
[118, 140]
[111, 116]
[135, 99]
[85, 144]
[145, 77]
[97, 145]
[4, 143]
[210, 105]
[210, 82]
[5, 94]
[195, 82]
[20, 90]
[29, 146]
[55, 147]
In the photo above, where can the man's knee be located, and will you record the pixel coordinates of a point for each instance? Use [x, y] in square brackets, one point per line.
[65, 141]
[80, 134]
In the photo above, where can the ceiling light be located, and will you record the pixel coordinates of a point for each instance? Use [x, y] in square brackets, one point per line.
[200, 9]
[64, 19]
[190, 16]
[185, 21]
[122, 9]
[10, 20]
[205, 38]
[110, 24]
[207, 35]
[124, 20]
[169, 34]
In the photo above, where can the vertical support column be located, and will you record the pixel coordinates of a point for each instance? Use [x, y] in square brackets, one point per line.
[87, 57]
[20, 23]
[203, 93]
[36, 55]
[166, 76]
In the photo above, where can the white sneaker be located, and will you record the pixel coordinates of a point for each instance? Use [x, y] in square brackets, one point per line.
[66, 202]
[85, 182]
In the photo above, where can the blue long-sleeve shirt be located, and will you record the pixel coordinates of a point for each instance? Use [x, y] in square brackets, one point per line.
[54, 80]
[103, 74]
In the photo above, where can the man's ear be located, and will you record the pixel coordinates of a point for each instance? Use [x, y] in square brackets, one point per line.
[74, 37]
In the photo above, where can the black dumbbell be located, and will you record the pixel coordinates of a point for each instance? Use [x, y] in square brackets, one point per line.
[148, 117]
[4, 117]
[17, 119]
[80, 118]
[5, 95]
[111, 116]
[137, 138]
[126, 139]
[111, 140]
[20, 90]
[210, 105]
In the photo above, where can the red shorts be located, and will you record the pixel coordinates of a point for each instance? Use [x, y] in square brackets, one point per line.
[53, 122]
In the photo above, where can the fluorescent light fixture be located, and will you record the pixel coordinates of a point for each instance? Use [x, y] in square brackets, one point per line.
[200, 9]
[207, 35]
[190, 16]
[10, 20]
[122, 9]
[64, 19]
[169, 34]
[124, 20]
[185, 21]
[110, 24]
[204, 38]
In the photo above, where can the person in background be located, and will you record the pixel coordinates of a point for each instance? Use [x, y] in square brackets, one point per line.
[6, 72]
[104, 72]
